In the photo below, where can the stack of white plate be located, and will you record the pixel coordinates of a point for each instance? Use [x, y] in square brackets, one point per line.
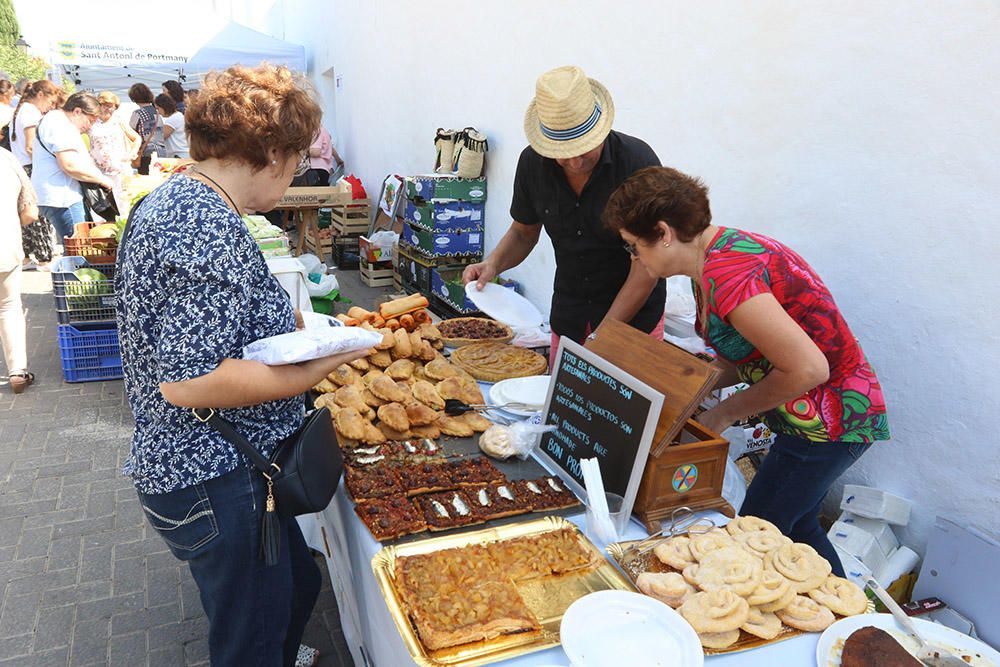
[531, 390]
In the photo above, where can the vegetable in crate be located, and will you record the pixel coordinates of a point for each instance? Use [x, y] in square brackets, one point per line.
[87, 293]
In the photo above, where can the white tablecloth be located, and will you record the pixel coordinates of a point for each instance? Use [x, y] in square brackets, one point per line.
[371, 633]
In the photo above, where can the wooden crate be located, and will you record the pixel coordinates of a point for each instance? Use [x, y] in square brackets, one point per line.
[687, 462]
[352, 218]
[376, 275]
[322, 197]
[312, 242]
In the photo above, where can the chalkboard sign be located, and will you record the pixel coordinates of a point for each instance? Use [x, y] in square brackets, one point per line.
[601, 412]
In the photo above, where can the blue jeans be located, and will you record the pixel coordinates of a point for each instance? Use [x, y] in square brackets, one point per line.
[63, 219]
[791, 484]
[256, 613]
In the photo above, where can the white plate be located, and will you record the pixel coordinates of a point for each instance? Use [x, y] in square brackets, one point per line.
[829, 646]
[531, 390]
[623, 628]
[504, 304]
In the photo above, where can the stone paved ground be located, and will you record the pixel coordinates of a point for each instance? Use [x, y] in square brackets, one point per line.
[83, 579]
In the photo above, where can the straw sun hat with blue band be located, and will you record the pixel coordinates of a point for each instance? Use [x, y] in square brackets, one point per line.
[570, 114]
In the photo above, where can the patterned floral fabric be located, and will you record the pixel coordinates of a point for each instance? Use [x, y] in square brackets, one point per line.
[193, 289]
[849, 407]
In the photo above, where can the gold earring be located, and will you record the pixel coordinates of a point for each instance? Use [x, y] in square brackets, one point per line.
[666, 245]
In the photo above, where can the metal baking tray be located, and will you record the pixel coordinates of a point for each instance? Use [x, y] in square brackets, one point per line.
[648, 562]
[547, 598]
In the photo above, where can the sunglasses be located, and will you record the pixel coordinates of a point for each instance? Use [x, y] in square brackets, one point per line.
[631, 249]
[303, 165]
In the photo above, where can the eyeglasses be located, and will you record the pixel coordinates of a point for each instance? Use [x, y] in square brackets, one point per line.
[303, 165]
[631, 249]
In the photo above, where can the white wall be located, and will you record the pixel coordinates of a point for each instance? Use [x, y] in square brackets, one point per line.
[863, 134]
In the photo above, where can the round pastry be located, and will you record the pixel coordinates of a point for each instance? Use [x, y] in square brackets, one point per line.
[781, 602]
[703, 543]
[667, 587]
[690, 574]
[716, 611]
[761, 542]
[840, 596]
[496, 442]
[806, 614]
[719, 640]
[800, 564]
[459, 331]
[763, 624]
[492, 362]
[675, 552]
[730, 568]
[750, 524]
[772, 588]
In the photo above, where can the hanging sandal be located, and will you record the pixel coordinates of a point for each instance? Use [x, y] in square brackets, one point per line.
[307, 657]
[19, 381]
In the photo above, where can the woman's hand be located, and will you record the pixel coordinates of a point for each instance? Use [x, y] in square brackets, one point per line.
[716, 419]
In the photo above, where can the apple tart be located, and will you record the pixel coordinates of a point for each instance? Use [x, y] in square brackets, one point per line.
[492, 362]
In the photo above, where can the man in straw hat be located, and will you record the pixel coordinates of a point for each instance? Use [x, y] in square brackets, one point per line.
[563, 181]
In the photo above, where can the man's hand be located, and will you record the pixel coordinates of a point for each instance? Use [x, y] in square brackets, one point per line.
[482, 273]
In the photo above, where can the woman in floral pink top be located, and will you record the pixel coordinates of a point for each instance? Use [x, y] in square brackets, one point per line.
[113, 144]
[776, 327]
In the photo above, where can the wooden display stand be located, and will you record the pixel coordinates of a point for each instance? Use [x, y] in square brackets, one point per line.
[306, 202]
[687, 462]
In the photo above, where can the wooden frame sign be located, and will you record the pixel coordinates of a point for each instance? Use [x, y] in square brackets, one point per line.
[600, 411]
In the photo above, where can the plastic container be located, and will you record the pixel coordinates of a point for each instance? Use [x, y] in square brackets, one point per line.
[875, 504]
[96, 251]
[89, 352]
[880, 529]
[79, 300]
[858, 543]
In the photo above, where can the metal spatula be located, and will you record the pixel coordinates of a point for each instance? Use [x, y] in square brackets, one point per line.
[453, 406]
[929, 654]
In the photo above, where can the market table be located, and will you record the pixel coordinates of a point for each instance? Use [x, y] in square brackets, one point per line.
[372, 636]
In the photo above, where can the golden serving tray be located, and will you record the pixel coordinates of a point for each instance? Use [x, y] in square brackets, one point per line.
[648, 562]
[547, 598]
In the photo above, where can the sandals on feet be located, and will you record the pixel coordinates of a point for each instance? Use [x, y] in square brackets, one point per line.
[307, 657]
[19, 381]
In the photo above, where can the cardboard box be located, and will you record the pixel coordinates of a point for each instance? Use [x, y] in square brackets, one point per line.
[443, 186]
[446, 284]
[414, 270]
[442, 244]
[372, 254]
[445, 215]
[313, 198]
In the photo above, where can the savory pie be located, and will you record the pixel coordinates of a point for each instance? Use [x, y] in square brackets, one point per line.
[390, 517]
[458, 596]
[447, 510]
[492, 362]
[373, 481]
[496, 500]
[547, 493]
[460, 331]
[426, 477]
[474, 470]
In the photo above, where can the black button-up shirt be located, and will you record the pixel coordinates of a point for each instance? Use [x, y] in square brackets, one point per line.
[591, 263]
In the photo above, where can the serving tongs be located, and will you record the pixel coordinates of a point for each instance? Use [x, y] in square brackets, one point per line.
[455, 407]
[683, 521]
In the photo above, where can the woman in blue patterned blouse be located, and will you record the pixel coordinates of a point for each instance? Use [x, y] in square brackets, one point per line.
[194, 290]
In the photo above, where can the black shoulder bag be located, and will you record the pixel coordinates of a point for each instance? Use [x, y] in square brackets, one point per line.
[303, 472]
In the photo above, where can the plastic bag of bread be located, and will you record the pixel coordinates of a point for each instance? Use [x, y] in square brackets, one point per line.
[519, 439]
[308, 344]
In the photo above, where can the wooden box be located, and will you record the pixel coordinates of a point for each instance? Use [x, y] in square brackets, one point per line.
[350, 218]
[376, 275]
[687, 462]
[320, 197]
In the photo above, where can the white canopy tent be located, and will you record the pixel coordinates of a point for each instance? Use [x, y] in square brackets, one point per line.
[204, 45]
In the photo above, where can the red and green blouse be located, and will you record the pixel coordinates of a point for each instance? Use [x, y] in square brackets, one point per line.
[848, 407]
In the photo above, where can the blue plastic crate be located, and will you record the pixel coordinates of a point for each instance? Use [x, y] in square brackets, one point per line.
[90, 352]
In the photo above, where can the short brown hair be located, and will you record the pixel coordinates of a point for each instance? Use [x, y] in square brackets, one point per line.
[166, 103]
[140, 93]
[659, 193]
[83, 101]
[243, 112]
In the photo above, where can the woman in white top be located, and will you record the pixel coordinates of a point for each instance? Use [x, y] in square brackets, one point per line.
[6, 111]
[173, 127]
[61, 161]
[39, 98]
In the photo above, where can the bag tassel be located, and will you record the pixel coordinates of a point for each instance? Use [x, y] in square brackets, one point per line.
[270, 530]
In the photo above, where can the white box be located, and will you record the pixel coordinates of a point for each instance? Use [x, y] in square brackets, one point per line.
[859, 543]
[875, 504]
[882, 531]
